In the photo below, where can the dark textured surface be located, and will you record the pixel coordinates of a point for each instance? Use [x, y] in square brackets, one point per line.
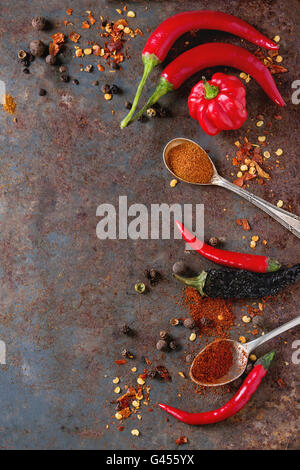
[65, 293]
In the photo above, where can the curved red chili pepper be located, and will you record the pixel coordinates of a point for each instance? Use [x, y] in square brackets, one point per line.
[164, 36]
[211, 55]
[256, 263]
[237, 402]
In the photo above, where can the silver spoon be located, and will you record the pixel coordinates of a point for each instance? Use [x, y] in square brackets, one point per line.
[241, 353]
[287, 219]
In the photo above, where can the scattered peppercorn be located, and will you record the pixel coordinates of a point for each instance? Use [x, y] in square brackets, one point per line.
[75, 81]
[63, 69]
[39, 23]
[172, 345]
[64, 77]
[95, 83]
[213, 241]
[128, 105]
[151, 112]
[105, 88]
[126, 330]
[114, 89]
[42, 92]
[22, 55]
[161, 345]
[206, 322]
[189, 323]
[189, 358]
[37, 48]
[179, 267]
[125, 352]
[26, 71]
[163, 334]
[51, 59]
[153, 275]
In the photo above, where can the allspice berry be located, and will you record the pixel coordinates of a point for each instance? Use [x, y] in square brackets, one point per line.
[38, 23]
[179, 267]
[37, 48]
[161, 345]
[51, 59]
[189, 323]
[173, 345]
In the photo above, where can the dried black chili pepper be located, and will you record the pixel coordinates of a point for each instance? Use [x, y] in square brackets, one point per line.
[230, 284]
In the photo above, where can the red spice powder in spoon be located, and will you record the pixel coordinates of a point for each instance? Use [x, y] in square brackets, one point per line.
[213, 363]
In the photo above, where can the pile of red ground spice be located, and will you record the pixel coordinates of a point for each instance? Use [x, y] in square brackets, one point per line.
[213, 363]
[213, 317]
[189, 162]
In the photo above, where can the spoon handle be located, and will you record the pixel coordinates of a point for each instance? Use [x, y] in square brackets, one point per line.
[287, 219]
[262, 339]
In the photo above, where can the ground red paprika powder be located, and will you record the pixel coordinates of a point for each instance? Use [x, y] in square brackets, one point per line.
[213, 317]
[190, 163]
[213, 363]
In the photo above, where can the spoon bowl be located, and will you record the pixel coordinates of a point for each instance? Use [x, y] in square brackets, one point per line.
[285, 218]
[241, 353]
[240, 359]
[181, 140]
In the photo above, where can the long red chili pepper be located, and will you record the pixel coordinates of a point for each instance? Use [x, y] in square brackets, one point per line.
[237, 402]
[211, 55]
[164, 36]
[256, 263]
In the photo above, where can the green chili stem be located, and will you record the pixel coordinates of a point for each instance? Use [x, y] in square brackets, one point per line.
[163, 87]
[211, 91]
[272, 265]
[266, 360]
[150, 61]
[197, 282]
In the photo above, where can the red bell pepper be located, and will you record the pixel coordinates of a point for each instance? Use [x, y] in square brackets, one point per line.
[219, 104]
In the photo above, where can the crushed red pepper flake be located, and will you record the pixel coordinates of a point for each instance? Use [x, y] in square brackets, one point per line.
[120, 361]
[74, 36]
[85, 25]
[69, 11]
[244, 224]
[181, 440]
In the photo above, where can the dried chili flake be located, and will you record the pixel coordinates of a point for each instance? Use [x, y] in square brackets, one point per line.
[69, 11]
[100, 68]
[120, 361]
[58, 38]
[54, 48]
[91, 18]
[85, 25]
[244, 224]
[74, 36]
[181, 440]
[164, 373]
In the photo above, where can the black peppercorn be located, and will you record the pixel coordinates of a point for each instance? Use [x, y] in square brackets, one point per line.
[126, 330]
[128, 105]
[105, 88]
[42, 92]
[95, 83]
[114, 89]
[37, 48]
[172, 345]
[75, 81]
[189, 323]
[161, 345]
[189, 358]
[39, 23]
[63, 69]
[51, 59]
[26, 71]
[206, 322]
[64, 77]
[163, 334]
[125, 352]
[104, 23]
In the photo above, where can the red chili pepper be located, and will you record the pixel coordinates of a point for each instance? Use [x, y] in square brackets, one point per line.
[256, 263]
[237, 402]
[211, 55]
[219, 104]
[164, 36]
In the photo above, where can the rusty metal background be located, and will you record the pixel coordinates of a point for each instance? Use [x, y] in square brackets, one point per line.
[65, 293]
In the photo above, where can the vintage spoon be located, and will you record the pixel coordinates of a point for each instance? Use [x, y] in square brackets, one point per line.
[287, 219]
[241, 353]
